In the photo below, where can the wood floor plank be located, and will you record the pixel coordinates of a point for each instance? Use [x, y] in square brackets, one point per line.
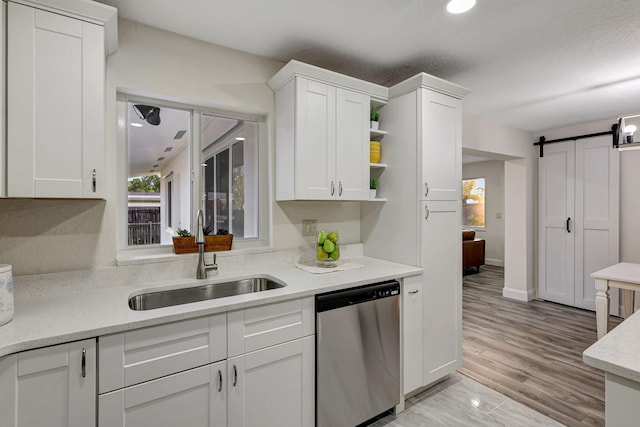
[531, 352]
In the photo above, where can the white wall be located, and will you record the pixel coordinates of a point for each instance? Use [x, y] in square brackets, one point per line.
[520, 198]
[40, 236]
[629, 187]
[493, 234]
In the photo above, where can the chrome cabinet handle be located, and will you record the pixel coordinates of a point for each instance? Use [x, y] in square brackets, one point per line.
[426, 212]
[414, 292]
[426, 189]
[219, 380]
[333, 188]
[84, 363]
[94, 180]
[340, 189]
[235, 375]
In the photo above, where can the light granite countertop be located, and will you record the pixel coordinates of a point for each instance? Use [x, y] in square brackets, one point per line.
[81, 310]
[618, 352]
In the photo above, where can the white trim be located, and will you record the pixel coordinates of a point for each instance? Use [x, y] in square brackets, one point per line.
[517, 294]
[494, 262]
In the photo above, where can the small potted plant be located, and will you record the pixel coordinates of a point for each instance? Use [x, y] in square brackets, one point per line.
[184, 242]
[375, 117]
[373, 186]
[221, 241]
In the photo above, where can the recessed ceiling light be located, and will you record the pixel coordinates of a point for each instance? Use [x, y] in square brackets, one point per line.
[239, 138]
[136, 125]
[460, 6]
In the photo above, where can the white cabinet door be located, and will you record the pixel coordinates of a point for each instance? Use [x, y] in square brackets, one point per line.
[274, 386]
[194, 398]
[441, 146]
[51, 386]
[412, 333]
[3, 98]
[352, 145]
[55, 98]
[315, 140]
[556, 172]
[442, 289]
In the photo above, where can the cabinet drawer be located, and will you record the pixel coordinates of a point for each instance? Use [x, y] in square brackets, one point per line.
[133, 357]
[259, 327]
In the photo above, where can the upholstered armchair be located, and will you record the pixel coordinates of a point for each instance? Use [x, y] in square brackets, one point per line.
[472, 250]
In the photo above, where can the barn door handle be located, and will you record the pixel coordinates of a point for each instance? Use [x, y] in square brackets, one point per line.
[569, 225]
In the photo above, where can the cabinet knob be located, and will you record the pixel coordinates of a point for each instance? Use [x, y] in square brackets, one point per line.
[94, 180]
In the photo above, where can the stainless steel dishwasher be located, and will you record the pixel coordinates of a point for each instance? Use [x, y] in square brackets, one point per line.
[358, 354]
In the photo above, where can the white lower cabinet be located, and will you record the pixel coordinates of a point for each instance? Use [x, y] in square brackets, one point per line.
[249, 367]
[412, 333]
[274, 386]
[51, 386]
[442, 290]
[194, 398]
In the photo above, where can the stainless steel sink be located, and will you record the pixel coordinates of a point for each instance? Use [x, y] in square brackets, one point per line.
[151, 300]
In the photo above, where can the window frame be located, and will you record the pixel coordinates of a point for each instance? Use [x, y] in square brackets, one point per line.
[262, 243]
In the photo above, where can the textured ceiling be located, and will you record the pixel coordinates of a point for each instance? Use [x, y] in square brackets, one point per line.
[532, 65]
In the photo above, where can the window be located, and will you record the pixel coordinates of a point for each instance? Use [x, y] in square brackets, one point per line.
[230, 160]
[164, 141]
[473, 202]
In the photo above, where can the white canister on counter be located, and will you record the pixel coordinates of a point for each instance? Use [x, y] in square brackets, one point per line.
[6, 294]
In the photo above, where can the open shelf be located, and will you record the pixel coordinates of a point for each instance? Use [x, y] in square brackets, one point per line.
[378, 165]
[377, 132]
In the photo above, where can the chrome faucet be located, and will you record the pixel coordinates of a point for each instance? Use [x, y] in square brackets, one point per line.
[203, 267]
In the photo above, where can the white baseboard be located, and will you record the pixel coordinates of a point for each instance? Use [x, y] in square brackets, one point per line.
[518, 295]
[494, 262]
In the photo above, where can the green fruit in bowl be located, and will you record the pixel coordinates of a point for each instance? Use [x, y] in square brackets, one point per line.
[322, 236]
[335, 255]
[329, 246]
[321, 255]
[333, 236]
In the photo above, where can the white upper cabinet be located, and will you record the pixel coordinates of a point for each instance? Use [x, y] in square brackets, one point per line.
[55, 105]
[441, 147]
[322, 133]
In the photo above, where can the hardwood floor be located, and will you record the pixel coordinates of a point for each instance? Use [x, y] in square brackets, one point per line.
[531, 352]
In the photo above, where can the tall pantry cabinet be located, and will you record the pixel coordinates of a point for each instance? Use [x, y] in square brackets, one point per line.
[420, 223]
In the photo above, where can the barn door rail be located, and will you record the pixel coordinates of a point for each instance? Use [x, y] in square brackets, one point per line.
[542, 141]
